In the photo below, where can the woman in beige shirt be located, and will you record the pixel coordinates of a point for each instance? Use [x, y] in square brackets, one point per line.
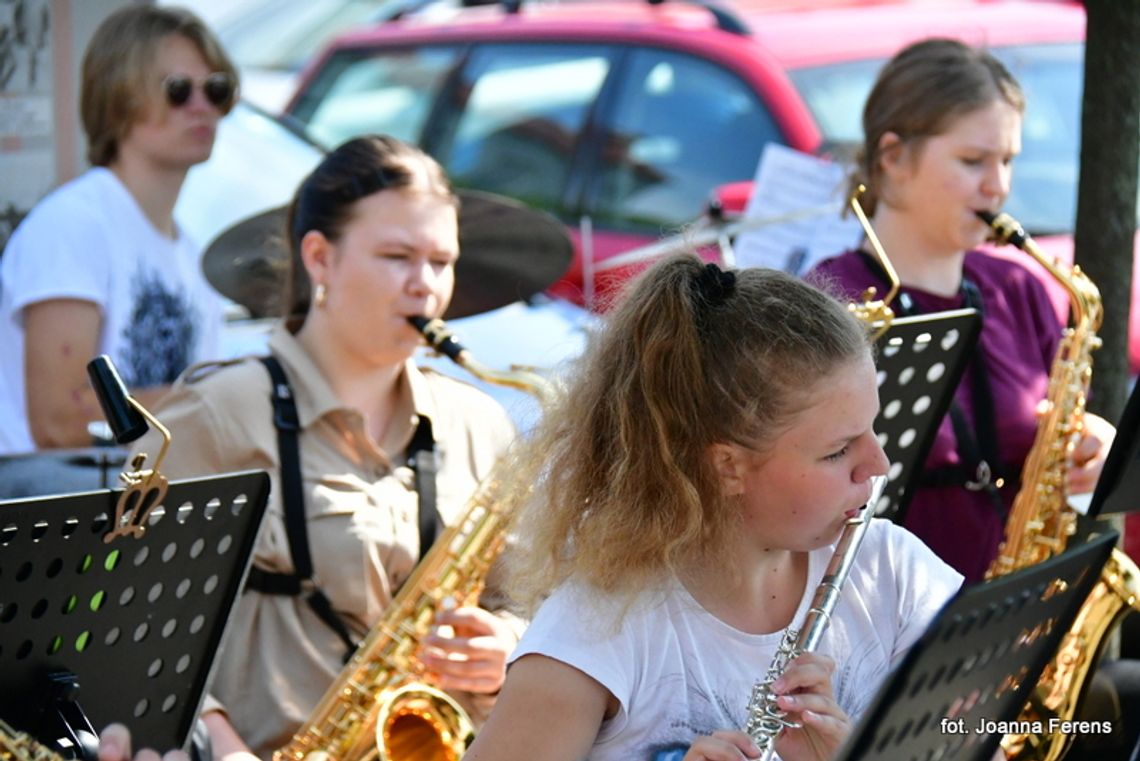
[374, 239]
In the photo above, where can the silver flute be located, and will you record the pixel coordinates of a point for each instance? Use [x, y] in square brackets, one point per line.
[765, 720]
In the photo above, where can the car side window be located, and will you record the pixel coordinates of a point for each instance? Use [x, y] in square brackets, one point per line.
[517, 118]
[680, 127]
[391, 92]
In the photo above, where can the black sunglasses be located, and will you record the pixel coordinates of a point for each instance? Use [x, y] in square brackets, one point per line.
[218, 88]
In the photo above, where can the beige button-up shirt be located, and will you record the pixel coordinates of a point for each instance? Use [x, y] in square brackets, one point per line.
[279, 658]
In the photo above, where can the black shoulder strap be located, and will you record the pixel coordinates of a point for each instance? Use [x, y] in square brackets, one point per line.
[286, 422]
[983, 396]
[981, 466]
[422, 461]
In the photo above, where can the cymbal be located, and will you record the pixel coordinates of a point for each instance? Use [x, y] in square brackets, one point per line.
[508, 252]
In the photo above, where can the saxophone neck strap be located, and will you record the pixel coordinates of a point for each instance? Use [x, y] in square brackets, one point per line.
[424, 464]
[421, 458]
[981, 467]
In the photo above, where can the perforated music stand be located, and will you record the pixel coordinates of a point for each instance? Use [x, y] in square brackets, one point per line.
[137, 621]
[1118, 488]
[920, 360]
[978, 662]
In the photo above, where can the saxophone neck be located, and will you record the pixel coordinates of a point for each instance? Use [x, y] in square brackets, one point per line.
[1084, 296]
[876, 313]
[440, 338]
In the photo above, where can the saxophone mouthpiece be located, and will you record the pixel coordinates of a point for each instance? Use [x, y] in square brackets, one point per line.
[1006, 228]
[438, 336]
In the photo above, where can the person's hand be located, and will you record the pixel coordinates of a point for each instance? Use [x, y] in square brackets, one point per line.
[115, 745]
[468, 650]
[1089, 454]
[724, 745]
[225, 743]
[805, 696]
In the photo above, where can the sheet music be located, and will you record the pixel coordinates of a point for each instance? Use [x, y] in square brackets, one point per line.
[788, 181]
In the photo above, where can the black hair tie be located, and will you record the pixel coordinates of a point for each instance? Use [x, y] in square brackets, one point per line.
[715, 284]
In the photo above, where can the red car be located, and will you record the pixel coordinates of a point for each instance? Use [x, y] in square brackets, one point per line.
[621, 118]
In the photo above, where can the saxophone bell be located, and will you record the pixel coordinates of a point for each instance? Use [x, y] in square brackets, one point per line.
[418, 722]
[379, 708]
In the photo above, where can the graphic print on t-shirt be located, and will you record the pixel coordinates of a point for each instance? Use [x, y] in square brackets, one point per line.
[160, 335]
[697, 715]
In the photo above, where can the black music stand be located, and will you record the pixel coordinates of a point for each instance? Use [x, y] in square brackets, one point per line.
[978, 662]
[1118, 488]
[920, 360]
[94, 631]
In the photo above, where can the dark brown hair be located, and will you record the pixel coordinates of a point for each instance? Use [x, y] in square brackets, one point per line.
[325, 199]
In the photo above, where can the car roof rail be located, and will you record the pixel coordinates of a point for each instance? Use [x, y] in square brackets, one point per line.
[726, 20]
[410, 7]
[510, 6]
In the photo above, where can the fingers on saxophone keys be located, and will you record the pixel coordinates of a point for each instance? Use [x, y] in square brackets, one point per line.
[463, 648]
[468, 617]
[445, 641]
[478, 682]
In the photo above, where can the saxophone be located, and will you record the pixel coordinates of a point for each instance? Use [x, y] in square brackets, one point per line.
[378, 707]
[765, 720]
[1041, 521]
[17, 746]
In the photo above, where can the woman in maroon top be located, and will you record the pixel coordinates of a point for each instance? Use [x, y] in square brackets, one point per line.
[942, 126]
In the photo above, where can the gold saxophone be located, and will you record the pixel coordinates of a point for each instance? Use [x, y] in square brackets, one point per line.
[17, 746]
[378, 707]
[1041, 521]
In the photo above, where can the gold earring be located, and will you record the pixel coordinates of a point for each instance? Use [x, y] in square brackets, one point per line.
[320, 295]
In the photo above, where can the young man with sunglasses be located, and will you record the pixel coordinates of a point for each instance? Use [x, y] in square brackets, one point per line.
[99, 266]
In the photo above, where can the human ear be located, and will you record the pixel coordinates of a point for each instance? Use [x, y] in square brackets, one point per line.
[316, 255]
[891, 149]
[728, 461]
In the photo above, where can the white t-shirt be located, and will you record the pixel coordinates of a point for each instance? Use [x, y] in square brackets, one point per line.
[89, 240]
[680, 673]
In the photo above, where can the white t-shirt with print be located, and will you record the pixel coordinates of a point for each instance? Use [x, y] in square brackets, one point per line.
[89, 240]
[679, 672]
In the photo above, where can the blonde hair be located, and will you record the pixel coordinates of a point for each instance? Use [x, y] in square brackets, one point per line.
[919, 93]
[626, 489]
[119, 65]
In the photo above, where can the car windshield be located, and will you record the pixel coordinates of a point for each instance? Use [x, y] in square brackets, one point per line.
[1044, 194]
[286, 33]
